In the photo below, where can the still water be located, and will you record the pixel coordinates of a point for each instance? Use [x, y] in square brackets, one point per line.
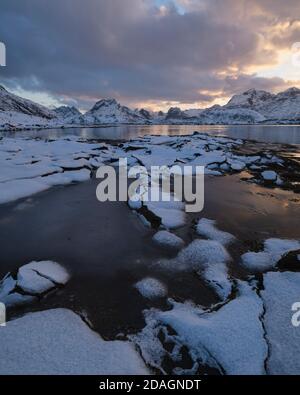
[265, 133]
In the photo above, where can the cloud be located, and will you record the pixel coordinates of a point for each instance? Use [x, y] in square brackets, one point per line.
[143, 50]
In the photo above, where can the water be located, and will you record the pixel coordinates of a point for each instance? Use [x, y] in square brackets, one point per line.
[265, 133]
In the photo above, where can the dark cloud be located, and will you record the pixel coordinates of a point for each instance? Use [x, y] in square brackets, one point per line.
[135, 51]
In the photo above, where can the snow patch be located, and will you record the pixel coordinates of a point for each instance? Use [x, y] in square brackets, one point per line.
[207, 228]
[274, 250]
[151, 288]
[168, 240]
[59, 342]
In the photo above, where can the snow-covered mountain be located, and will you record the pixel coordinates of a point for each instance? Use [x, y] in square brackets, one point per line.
[285, 106]
[66, 112]
[109, 111]
[13, 103]
[229, 116]
[250, 107]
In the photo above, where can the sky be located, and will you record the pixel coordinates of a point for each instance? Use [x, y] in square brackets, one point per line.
[148, 53]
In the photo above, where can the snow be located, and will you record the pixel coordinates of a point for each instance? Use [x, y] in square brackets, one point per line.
[35, 278]
[51, 270]
[251, 107]
[230, 339]
[207, 228]
[31, 166]
[7, 285]
[67, 177]
[280, 107]
[168, 240]
[281, 291]
[13, 103]
[17, 189]
[236, 165]
[274, 250]
[59, 342]
[151, 288]
[170, 218]
[171, 211]
[17, 299]
[269, 175]
[208, 258]
[39, 277]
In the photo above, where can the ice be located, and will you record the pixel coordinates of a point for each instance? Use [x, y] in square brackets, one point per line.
[269, 175]
[67, 177]
[39, 277]
[51, 270]
[208, 158]
[207, 228]
[32, 166]
[208, 258]
[151, 288]
[17, 299]
[159, 156]
[230, 339]
[281, 291]
[170, 218]
[279, 247]
[31, 282]
[7, 285]
[257, 261]
[168, 240]
[237, 165]
[274, 250]
[11, 171]
[59, 342]
[32, 279]
[18, 189]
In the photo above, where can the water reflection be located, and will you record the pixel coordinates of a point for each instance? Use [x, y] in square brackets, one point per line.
[266, 133]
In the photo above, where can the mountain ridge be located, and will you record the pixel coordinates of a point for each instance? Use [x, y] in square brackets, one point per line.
[250, 107]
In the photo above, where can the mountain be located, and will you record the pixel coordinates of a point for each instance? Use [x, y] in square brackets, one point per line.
[285, 106]
[66, 112]
[109, 111]
[251, 107]
[13, 103]
[218, 115]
